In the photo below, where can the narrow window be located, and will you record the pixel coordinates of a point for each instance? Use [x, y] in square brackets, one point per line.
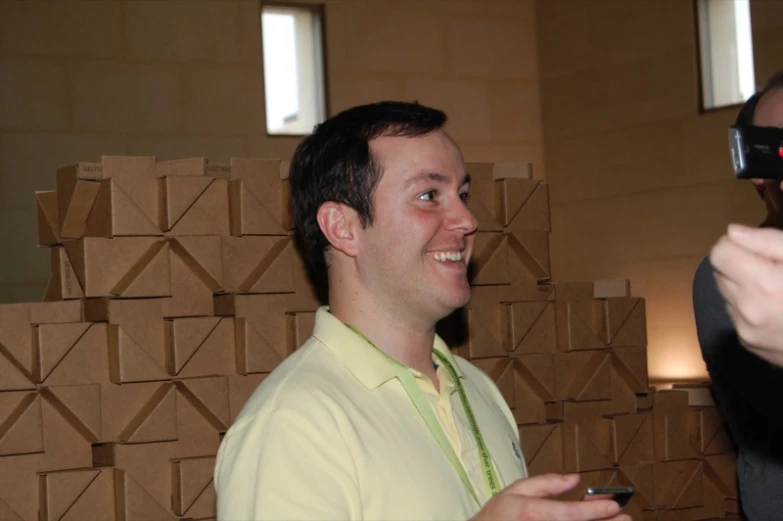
[726, 52]
[293, 68]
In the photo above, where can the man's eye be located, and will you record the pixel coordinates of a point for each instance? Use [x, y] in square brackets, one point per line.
[428, 196]
[464, 196]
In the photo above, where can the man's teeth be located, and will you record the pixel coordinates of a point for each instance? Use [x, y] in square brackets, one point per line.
[454, 256]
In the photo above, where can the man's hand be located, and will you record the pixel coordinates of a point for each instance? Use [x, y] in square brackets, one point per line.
[526, 500]
[748, 266]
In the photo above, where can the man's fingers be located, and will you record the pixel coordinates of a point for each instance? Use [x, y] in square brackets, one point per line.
[737, 263]
[545, 485]
[767, 242]
[571, 510]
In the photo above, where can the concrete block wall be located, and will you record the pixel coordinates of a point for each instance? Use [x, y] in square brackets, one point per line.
[80, 79]
[640, 182]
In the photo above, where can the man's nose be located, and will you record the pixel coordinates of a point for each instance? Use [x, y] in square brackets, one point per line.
[461, 218]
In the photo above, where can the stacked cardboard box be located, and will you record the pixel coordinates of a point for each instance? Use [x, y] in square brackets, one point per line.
[175, 289]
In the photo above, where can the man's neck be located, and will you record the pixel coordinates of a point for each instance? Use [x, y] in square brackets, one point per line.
[405, 340]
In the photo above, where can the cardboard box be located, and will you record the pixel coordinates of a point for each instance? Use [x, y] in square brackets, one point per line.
[672, 432]
[19, 491]
[632, 439]
[583, 375]
[531, 328]
[63, 282]
[52, 343]
[261, 330]
[77, 188]
[525, 204]
[190, 166]
[258, 264]
[218, 170]
[126, 267]
[306, 295]
[542, 446]
[193, 265]
[621, 321]
[136, 502]
[192, 205]
[576, 326]
[127, 199]
[587, 438]
[16, 339]
[611, 288]
[85, 361]
[48, 218]
[534, 385]
[259, 197]
[65, 444]
[210, 396]
[486, 329]
[77, 494]
[21, 424]
[489, 262]
[194, 491]
[156, 420]
[80, 405]
[529, 256]
[201, 346]
[678, 484]
[708, 432]
[484, 202]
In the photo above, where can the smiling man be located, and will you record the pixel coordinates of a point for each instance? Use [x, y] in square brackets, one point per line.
[373, 417]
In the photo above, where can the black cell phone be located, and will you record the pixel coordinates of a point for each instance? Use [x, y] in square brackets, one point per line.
[620, 494]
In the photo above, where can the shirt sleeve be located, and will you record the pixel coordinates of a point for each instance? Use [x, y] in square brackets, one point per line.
[741, 380]
[282, 465]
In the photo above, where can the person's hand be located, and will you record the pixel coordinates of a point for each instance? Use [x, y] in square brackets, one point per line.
[748, 267]
[528, 500]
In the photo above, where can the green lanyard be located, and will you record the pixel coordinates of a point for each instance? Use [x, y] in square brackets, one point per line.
[491, 483]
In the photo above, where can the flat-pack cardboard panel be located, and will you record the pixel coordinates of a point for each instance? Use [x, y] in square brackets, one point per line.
[259, 197]
[125, 266]
[194, 493]
[21, 423]
[77, 188]
[484, 202]
[258, 264]
[489, 261]
[200, 346]
[193, 206]
[63, 283]
[542, 446]
[531, 328]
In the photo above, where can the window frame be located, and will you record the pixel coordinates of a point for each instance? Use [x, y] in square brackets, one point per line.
[320, 11]
[700, 80]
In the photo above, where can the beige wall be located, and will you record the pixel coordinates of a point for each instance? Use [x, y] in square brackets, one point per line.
[640, 182]
[80, 79]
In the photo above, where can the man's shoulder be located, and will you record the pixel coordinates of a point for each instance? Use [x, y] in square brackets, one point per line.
[296, 385]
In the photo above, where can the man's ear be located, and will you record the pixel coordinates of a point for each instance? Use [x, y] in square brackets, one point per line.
[338, 223]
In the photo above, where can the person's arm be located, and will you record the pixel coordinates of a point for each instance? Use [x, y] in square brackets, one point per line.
[284, 466]
[733, 369]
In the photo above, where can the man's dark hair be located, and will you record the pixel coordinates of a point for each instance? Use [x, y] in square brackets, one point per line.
[335, 163]
[748, 109]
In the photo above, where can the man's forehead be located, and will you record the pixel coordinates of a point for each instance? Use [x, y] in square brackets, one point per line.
[769, 111]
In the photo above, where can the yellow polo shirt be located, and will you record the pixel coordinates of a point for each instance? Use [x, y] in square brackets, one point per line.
[331, 434]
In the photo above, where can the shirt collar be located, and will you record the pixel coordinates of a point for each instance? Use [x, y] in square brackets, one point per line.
[364, 361]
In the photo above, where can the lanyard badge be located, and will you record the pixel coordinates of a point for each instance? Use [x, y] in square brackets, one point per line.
[491, 482]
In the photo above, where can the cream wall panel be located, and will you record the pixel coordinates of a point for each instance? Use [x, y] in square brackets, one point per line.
[492, 47]
[33, 94]
[182, 30]
[123, 97]
[223, 101]
[465, 102]
[73, 28]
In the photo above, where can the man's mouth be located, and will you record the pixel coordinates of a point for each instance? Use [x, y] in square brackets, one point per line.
[448, 256]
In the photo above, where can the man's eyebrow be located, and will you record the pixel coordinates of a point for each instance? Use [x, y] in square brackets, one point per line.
[435, 176]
